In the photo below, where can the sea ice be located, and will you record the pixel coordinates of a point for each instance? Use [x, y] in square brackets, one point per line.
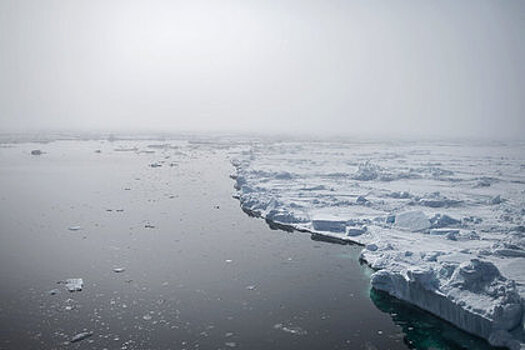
[431, 216]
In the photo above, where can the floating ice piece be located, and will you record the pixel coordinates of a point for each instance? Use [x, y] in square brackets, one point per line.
[74, 284]
[412, 220]
[155, 165]
[36, 152]
[119, 269]
[74, 228]
[81, 336]
[230, 344]
[295, 330]
[252, 287]
[53, 292]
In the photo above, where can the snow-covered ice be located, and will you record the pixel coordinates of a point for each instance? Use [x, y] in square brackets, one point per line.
[442, 224]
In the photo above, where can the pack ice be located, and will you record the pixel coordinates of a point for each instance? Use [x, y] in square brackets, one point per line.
[441, 224]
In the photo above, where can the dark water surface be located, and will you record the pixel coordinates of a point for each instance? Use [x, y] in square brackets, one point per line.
[199, 273]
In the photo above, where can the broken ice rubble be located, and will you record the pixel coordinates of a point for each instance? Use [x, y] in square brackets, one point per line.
[442, 225]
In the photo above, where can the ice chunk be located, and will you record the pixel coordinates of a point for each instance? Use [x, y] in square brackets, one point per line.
[81, 336]
[412, 221]
[119, 269]
[367, 172]
[356, 231]
[74, 284]
[74, 228]
[329, 225]
[36, 152]
[295, 330]
[439, 221]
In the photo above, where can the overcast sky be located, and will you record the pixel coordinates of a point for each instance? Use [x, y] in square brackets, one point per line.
[329, 66]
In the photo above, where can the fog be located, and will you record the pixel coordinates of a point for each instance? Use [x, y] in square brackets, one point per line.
[330, 67]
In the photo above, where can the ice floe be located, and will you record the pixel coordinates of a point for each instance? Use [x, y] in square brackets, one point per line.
[442, 224]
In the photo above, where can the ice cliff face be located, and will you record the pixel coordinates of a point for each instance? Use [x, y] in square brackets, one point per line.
[442, 225]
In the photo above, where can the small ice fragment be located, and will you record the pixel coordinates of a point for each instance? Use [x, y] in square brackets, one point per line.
[155, 165]
[74, 228]
[230, 344]
[53, 292]
[119, 269]
[229, 334]
[36, 152]
[81, 336]
[229, 260]
[147, 317]
[149, 226]
[295, 330]
[74, 284]
[251, 287]
[379, 332]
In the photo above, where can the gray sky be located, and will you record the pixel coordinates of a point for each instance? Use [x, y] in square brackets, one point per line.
[330, 66]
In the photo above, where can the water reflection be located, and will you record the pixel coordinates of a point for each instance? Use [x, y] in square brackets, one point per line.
[423, 330]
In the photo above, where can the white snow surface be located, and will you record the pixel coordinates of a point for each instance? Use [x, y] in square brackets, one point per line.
[441, 223]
